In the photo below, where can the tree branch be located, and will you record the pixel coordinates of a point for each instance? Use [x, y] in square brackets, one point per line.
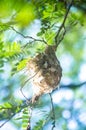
[62, 26]
[73, 86]
[29, 37]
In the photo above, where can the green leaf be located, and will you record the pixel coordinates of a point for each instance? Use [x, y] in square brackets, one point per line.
[39, 125]
[22, 64]
[25, 118]
[7, 105]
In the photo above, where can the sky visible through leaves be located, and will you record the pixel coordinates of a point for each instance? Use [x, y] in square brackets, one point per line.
[25, 28]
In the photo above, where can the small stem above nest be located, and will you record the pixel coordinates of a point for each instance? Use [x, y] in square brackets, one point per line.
[62, 26]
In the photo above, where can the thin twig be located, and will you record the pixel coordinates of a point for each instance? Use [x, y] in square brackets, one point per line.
[62, 25]
[53, 112]
[28, 43]
[29, 37]
[62, 36]
[21, 89]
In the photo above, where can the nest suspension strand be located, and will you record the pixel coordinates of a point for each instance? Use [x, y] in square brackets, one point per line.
[47, 70]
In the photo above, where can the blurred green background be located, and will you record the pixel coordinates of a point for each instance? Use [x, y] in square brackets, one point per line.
[40, 20]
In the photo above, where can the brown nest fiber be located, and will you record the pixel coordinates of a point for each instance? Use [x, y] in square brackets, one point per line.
[46, 72]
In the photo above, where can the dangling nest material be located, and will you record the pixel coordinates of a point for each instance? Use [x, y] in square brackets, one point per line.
[46, 71]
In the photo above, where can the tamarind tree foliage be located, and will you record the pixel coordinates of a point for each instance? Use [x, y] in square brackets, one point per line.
[26, 28]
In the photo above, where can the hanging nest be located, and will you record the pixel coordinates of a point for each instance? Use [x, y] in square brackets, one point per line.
[46, 72]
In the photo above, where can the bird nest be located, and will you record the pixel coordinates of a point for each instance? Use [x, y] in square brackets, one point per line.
[46, 72]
